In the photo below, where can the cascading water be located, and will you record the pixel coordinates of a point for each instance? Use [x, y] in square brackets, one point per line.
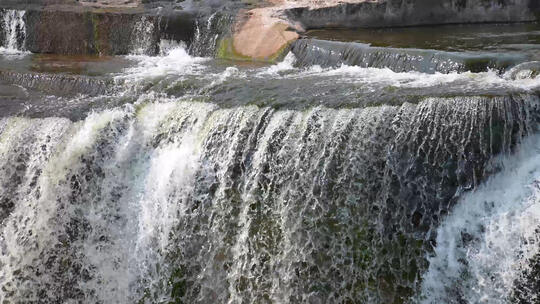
[13, 31]
[329, 53]
[189, 201]
[490, 239]
[181, 179]
[144, 36]
[208, 34]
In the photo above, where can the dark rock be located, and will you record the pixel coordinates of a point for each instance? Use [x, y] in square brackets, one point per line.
[534, 6]
[67, 32]
[177, 25]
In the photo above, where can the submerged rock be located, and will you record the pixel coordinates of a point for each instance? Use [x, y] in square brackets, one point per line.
[527, 286]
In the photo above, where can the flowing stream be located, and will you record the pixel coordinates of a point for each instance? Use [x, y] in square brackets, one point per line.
[330, 177]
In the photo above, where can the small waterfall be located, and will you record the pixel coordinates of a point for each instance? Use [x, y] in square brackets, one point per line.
[144, 36]
[13, 30]
[190, 202]
[311, 52]
[208, 33]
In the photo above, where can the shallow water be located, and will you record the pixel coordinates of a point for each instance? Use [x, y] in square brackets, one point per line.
[522, 38]
[177, 75]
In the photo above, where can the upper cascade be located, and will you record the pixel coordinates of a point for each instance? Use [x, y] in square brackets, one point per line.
[80, 29]
[259, 31]
[263, 32]
[334, 54]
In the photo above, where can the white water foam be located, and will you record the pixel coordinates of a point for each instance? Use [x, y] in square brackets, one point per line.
[142, 33]
[14, 28]
[385, 76]
[286, 65]
[174, 61]
[486, 242]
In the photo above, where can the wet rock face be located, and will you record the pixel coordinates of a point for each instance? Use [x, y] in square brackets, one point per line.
[414, 12]
[99, 27]
[2, 31]
[534, 6]
[78, 33]
[177, 25]
[86, 33]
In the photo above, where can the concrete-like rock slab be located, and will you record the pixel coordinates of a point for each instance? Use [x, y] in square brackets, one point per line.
[262, 32]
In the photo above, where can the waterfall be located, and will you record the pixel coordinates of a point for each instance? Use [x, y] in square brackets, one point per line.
[187, 201]
[13, 31]
[149, 38]
[180, 179]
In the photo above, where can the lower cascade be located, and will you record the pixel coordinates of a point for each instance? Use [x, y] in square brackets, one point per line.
[148, 160]
[189, 201]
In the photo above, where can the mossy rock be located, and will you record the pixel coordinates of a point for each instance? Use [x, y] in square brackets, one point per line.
[226, 50]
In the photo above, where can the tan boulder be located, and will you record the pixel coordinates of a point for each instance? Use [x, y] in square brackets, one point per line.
[261, 35]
